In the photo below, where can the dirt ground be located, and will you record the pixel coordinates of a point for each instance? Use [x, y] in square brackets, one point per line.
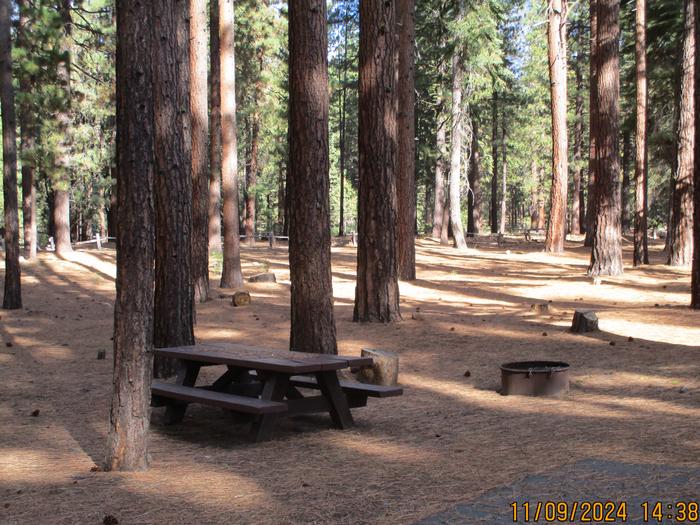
[449, 438]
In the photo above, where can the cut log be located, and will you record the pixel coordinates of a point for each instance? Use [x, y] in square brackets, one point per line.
[584, 321]
[384, 369]
[241, 299]
[268, 277]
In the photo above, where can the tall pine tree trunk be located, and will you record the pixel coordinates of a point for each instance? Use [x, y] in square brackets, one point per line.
[174, 294]
[606, 253]
[313, 322]
[12, 298]
[231, 275]
[27, 123]
[681, 241]
[214, 129]
[695, 282]
[474, 199]
[377, 290]
[624, 195]
[556, 31]
[456, 143]
[252, 173]
[593, 125]
[577, 202]
[641, 250]
[494, 157]
[61, 178]
[406, 160]
[200, 140]
[343, 129]
[504, 176]
[440, 191]
[129, 419]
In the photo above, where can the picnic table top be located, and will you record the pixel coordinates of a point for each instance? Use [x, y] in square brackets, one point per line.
[257, 358]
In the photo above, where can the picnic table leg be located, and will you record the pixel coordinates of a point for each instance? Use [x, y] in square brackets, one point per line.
[330, 387]
[186, 376]
[274, 389]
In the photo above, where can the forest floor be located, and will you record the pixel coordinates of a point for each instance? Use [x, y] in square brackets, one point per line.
[448, 439]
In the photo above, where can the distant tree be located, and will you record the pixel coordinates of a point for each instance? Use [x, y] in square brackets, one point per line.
[127, 443]
[313, 323]
[174, 294]
[503, 194]
[556, 31]
[61, 178]
[641, 251]
[214, 129]
[406, 159]
[199, 110]
[457, 141]
[681, 234]
[578, 208]
[231, 275]
[474, 196]
[494, 159]
[606, 253]
[12, 299]
[377, 290]
[440, 190]
[593, 125]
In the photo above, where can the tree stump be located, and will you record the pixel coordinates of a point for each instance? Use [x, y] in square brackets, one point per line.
[268, 277]
[384, 369]
[584, 321]
[241, 299]
[540, 309]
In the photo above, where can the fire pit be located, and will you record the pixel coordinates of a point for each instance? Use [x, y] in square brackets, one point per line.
[534, 378]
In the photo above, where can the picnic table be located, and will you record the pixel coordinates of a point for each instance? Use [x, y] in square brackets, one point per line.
[265, 384]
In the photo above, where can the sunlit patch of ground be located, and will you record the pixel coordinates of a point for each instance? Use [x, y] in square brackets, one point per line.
[449, 438]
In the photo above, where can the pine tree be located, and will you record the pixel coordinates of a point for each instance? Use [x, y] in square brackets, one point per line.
[641, 251]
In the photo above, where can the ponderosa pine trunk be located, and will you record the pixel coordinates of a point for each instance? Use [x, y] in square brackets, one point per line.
[12, 297]
[681, 240]
[252, 169]
[377, 290]
[593, 125]
[308, 182]
[342, 143]
[556, 32]
[456, 143]
[129, 419]
[231, 275]
[504, 176]
[695, 281]
[406, 159]
[624, 194]
[200, 155]
[606, 253]
[27, 124]
[174, 293]
[61, 178]
[494, 157]
[474, 199]
[214, 129]
[440, 193]
[578, 215]
[641, 250]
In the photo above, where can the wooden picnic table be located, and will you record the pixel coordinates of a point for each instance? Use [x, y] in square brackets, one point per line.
[265, 383]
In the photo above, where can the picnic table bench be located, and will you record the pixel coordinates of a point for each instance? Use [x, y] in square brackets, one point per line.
[264, 384]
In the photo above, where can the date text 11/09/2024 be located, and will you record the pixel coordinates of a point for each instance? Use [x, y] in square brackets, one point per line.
[604, 512]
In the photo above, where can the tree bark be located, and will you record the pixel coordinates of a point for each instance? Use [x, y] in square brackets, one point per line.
[343, 128]
[12, 298]
[252, 173]
[641, 250]
[200, 159]
[440, 193]
[127, 443]
[174, 294]
[214, 129]
[494, 156]
[593, 125]
[27, 124]
[504, 176]
[556, 31]
[624, 197]
[406, 160]
[606, 253]
[695, 281]
[308, 183]
[474, 199]
[681, 241]
[231, 275]
[61, 180]
[456, 143]
[578, 215]
[377, 291]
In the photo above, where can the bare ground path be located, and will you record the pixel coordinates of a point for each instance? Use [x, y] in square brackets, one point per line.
[449, 439]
